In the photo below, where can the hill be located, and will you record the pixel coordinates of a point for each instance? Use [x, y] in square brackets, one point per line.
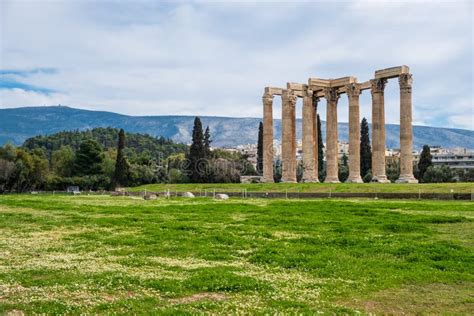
[16, 125]
[108, 138]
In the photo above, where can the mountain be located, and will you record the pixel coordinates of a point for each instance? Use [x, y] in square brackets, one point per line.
[18, 124]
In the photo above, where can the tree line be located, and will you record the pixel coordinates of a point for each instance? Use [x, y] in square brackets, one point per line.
[107, 158]
[88, 159]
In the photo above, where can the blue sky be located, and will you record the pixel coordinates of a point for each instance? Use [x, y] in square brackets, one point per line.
[214, 58]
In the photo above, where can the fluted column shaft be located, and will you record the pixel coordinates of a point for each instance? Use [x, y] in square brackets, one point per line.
[267, 137]
[378, 130]
[406, 130]
[353, 93]
[309, 163]
[331, 136]
[288, 137]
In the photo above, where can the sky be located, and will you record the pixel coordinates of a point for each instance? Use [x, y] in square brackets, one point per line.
[215, 57]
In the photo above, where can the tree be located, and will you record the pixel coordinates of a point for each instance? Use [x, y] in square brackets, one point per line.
[260, 149]
[365, 149]
[277, 171]
[393, 171]
[438, 174]
[122, 167]
[425, 162]
[62, 161]
[343, 170]
[89, 158]
[40, 170]
[207, 142]
[299, 171]
[344, 159]
[321, 169]
[465, 175]
[6, 170]
[196, 170]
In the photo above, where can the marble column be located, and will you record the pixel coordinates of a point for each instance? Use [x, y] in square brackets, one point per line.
[353, 92]
[378, 130]
[288, 137]
[309, 163]
[331, 136]
[315, 138]
[267, 137]
[406, 130]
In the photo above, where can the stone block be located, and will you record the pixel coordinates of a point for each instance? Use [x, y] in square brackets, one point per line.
[150, 197]
[391, 72]
[251, 179]
[274, 91]
[365, 85]
[318, 83]
[188, 195]
[296, 86]
[340, 82]
[222, 197]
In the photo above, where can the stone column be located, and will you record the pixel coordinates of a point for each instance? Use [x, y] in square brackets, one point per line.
[353, 92]
[378, 130]
[331, 136]
[315, 137]
[406, 130]
[288, 141]
[309, 164]
[267, 137]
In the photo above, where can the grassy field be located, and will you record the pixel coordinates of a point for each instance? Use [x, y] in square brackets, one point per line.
[97, 254]
[314, 187]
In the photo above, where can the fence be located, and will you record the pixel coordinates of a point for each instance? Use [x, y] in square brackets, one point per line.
[244, 193]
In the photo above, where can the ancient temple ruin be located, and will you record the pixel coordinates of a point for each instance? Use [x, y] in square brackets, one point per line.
[331, 90]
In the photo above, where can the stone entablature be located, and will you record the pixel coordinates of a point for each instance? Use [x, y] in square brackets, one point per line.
[331, 90]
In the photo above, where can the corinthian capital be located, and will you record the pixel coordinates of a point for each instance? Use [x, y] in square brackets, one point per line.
[405, 80]
[353, 90]
[378, 85]
[290, 97]
[267, 98]
[331, 94]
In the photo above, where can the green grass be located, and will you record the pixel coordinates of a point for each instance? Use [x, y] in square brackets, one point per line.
[313, 187]
[97, 254]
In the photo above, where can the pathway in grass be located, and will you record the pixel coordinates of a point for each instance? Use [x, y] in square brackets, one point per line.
[61, 254]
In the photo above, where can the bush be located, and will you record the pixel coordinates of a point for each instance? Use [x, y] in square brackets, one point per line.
[368, 177]
[438, 175]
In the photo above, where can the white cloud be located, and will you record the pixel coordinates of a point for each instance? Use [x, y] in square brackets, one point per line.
[19, 97]
[210, 58]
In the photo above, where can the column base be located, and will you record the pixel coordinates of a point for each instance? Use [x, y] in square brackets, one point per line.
[310, 180]
[267, 180]
[380, 179]
[406, 179]
[354, 180]
[332, 180]
[288, 181]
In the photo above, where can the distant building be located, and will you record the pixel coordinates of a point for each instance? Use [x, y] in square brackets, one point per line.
[458, 158]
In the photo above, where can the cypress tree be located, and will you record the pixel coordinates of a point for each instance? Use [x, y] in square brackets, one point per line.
[196, 152]
[425, 162]
[320, 151]
[260, 149]
[344, 159]
[122, 168]
[207, 142]
[365, 149]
